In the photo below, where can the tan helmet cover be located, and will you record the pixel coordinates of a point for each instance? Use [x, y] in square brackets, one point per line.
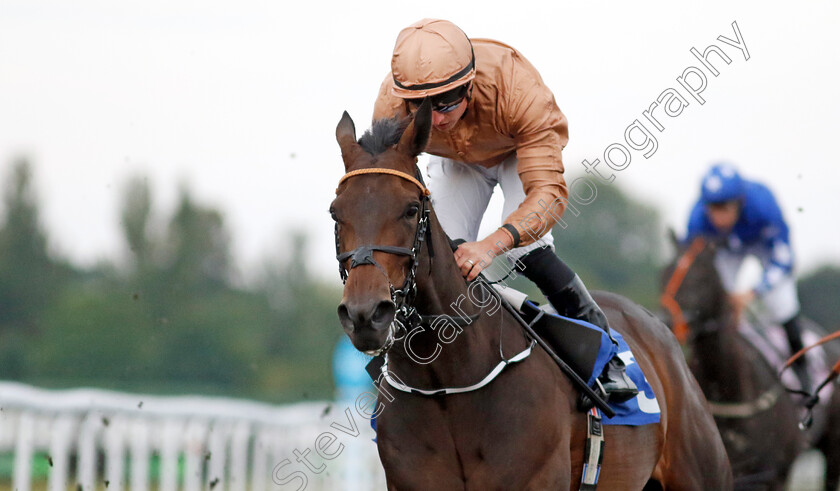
[430, 57]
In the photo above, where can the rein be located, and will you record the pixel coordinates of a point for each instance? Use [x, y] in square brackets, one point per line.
[813, 398]
[668, 299]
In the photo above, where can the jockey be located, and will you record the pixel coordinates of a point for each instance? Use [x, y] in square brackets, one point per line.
[494, 122]
[744, 216]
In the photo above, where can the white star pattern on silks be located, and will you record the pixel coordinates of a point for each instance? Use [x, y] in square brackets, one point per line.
[713, 184]
[727, 171]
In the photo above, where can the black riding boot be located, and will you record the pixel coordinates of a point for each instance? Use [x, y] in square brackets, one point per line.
[793, 330]
[569, 296]
[576, 302]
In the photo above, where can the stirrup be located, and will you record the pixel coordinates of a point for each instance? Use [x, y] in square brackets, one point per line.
[615, 382]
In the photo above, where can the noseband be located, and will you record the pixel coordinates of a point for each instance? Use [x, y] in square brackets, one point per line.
[404, 297]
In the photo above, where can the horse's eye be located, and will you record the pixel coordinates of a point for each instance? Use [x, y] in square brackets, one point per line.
[412, 210]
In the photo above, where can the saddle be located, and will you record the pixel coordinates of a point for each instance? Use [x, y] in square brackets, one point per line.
[576, 344]
[769, 340]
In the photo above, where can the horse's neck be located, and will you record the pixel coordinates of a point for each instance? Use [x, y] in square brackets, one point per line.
[469, 354]
[722, 367]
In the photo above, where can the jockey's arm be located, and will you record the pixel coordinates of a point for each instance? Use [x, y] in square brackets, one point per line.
[777, 266]
[775, 238]
[541, 132]
[545, 201]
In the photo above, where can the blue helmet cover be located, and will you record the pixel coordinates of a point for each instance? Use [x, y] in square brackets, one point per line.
[721, 183]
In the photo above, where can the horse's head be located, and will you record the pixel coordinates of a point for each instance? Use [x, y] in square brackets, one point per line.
[381, 213]
[692, 291]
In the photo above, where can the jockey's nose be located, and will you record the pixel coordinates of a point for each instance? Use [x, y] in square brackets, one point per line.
[357, 316]
[438, 118]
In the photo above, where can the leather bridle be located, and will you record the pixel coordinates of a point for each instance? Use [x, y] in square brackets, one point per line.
[668, 300]
[403, 297]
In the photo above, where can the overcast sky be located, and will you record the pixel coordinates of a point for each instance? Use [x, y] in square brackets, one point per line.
[240, 101]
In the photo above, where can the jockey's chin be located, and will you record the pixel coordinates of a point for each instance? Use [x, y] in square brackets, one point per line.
[445, 127]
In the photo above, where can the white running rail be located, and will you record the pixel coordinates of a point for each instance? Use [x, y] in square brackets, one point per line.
[93, 437]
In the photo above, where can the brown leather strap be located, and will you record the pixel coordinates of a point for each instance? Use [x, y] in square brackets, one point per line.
[804, 350]
[380, 170]
[677, 277]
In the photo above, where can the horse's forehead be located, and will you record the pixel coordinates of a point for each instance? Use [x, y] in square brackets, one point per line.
[371, 192]
[391, 158]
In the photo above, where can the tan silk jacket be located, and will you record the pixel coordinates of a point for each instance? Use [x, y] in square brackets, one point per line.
[511, 110]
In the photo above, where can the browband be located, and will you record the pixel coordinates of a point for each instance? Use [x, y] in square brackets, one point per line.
[380, 170]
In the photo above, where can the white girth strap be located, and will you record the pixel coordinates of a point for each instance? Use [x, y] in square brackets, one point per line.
[455, 390]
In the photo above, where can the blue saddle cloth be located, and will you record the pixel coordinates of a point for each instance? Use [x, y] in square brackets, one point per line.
[642, 409]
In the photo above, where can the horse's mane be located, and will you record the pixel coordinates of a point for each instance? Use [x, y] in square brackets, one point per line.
[382, 134]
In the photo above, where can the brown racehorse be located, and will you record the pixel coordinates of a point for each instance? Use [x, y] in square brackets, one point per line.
[522, 430]
[757, 420]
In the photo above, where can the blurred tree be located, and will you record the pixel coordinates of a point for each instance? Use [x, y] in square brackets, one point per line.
[29, 279]
[136, 213]
[194, 319]
[199, 247]
[173, 321]
[305, 329]
[614, 243]
[94, 334]
[818, 296]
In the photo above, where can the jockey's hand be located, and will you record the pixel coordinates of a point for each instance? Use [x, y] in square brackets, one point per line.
[740, 300]
[473, 257]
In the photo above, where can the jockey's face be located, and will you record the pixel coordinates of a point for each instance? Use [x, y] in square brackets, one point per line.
[724, 215]
[447, 108]
[446, 121]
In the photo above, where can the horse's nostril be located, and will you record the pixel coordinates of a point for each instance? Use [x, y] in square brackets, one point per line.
[353, 318]
[344, 317]
[384, 313]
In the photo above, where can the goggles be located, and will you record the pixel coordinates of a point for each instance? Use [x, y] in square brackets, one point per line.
[446, 102]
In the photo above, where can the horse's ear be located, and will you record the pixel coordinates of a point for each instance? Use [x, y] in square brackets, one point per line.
[672, 236]
[416, 135]
[345, 134]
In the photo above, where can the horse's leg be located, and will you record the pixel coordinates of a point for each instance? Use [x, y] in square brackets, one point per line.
[630, 455]
[528, 450]
[415, 448]
[697, 461]
[555, 472]
[421, 475]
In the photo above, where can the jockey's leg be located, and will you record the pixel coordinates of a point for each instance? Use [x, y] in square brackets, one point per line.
[460, 194]
[569, 296]
[783, 305]
[560, 285]
[793, 330]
